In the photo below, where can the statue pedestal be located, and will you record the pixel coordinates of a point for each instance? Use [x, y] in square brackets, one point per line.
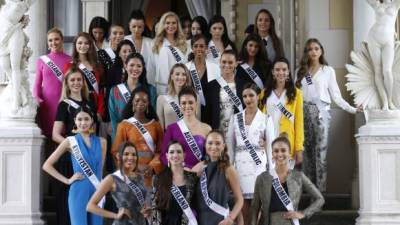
[379, 169]
[20, 169]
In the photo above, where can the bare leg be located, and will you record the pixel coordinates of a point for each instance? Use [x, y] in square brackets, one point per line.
[387, 65]
[375, 53]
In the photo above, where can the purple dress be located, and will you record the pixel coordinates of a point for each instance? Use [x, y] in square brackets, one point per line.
[174, 133]
[47, 90]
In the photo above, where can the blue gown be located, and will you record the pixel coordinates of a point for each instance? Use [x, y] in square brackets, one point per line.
[82, 190]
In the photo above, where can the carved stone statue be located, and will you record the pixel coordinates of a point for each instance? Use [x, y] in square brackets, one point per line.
[374, 77]
[16, 100]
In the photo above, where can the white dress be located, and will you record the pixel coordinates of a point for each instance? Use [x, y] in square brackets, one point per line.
[227, 108]
[247, 169]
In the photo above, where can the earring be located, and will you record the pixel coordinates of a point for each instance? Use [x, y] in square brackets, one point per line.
[74, 129]
[91, 130]
[183, 164]
[168, 163]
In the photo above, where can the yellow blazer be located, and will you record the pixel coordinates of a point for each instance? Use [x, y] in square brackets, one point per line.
[294, 130]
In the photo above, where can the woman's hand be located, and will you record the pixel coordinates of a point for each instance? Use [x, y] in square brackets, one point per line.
[122, 212]
[146, 211]
[75, 177]
[293, 215]
[227, 221]
[359, 109]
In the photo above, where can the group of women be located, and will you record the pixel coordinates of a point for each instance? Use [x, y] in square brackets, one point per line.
[198, 134]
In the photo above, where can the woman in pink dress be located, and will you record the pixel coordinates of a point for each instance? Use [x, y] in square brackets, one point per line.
[48, 80]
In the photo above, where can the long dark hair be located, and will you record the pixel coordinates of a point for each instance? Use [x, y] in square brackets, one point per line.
[203, 25]
[305, 60]
[271, 32]
[91, 54]
[121, 150]
[225, 38]
[99, 22]
[271, 83]
[137, 14]
[261, 59]
[143, 77]
[223, 161]
[128, 112]
[194, 39]
[118, 60]
[164, 184]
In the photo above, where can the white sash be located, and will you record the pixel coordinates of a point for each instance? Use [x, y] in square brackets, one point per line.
[246, 141]
[134, 188]
[281, 107]
[253, 75]
[71, 103]
[183, 204]
[146, 135]
[190, 139]
[76, 152]
[174, 51]
[110, 53]
[53, 67]
[90, 76]
[323, 110]
[235, 99]
[124, 92]
[210, 203]
[197, 83]
[213, 49]
[174, 107]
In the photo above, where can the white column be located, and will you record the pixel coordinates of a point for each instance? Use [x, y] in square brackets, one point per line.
[92, 8]
[379, 170]
[363, 18]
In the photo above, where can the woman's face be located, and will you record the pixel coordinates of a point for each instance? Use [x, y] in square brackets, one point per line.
[171, 25]
[188, 105]
[82, 45]
[252, 48]
[175, 155]
[186, 27]
[250, 97]
[196, 29]
[140, 102]
[116, 34]
[136, 27]
[98, 34]
[228, 64]
[134, 68]
[263, 22]
[75, 82]
[280, 153]
[124, 52]
[83, 121]
[217, 30]
[314, 51]
[199, 48]
[129, 158]
[280, 72]
[179, 77]
[215, 146]
[55, 42]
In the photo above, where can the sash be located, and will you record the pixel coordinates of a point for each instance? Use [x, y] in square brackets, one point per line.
[124, 92]
[180, 199]
[249, 146]
[197, 83]
[253, 75]
[210, 203]
[175, 53]
[146, 135]
[174, 107]
[134, 188]
[323, 110]
[190, 139]
[110, 53]
[90, 77]
[282, 108]
[213, 49]
[77, 154]
[71, 103]
[234, 98]
[53, 67]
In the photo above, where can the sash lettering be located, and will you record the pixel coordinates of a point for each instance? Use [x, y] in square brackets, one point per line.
[72, 103]
[174, 107]
[146, 135]
[197, 83]
[323, 110]
[183, 204]
[124, 92]
[213, 50]
[253, 75]
[190, 140]
[53, 67]
[90, 76]
[234, 98]
[285, 112]
[134, 188]
[175, 53]
[210, 203]
[246, 141]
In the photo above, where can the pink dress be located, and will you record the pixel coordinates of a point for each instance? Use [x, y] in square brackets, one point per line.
[47, 90]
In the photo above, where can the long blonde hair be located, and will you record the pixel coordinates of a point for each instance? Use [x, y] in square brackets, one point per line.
[180, 39]
[171, 86]
[66, 92]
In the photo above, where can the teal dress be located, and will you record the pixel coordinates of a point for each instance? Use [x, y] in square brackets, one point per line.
[82, 190]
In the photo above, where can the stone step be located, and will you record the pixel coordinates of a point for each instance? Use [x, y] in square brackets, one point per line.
[49, 218]
[332, 201]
